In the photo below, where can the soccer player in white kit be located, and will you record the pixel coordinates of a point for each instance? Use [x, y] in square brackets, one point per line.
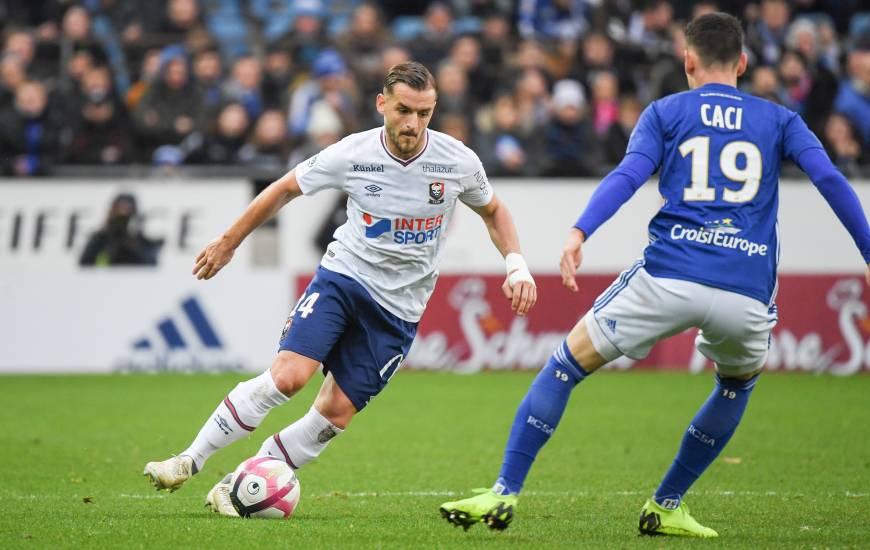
[359, 315]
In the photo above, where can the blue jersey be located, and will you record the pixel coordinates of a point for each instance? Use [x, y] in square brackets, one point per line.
[719, 152]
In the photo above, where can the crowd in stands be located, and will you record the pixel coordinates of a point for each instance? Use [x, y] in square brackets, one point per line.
[535, 87]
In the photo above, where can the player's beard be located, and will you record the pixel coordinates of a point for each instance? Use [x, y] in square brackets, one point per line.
[405, 143]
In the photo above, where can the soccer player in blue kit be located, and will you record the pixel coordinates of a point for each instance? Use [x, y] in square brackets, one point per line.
[710, 263]
[359, 314]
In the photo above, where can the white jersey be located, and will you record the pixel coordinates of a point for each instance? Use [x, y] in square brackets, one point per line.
[397, 211]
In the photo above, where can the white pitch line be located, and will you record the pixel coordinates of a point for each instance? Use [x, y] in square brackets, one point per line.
[398, 494]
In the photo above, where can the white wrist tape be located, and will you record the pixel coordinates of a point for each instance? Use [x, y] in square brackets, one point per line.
[517, 270]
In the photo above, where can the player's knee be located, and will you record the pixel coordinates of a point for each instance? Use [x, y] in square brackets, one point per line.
[289, 377]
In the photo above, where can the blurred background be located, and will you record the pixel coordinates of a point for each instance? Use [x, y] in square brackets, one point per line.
[133, 131]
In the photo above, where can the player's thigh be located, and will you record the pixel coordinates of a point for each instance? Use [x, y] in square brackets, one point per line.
[638, 310]
[319, 316]
[369, 352]
[736, 334]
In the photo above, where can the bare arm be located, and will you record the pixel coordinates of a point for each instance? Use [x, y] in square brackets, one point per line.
[500, 225]
[519, 287]
[219, 252]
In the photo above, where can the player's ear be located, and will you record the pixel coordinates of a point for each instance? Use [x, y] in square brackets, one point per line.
[688, 62]
[380, 103]
[741, 64]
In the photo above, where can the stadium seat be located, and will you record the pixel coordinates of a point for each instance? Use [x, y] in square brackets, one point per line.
[407, 27]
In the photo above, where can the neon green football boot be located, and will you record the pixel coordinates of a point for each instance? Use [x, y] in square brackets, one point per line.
[655, 520]
[496, 511]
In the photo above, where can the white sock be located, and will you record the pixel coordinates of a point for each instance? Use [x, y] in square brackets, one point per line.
[301, 442]
[238, 415]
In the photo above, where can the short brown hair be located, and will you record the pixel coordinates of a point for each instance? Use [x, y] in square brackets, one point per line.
[412, 74]
[716, 37]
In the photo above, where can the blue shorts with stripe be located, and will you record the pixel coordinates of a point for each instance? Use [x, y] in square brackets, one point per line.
[337, 322]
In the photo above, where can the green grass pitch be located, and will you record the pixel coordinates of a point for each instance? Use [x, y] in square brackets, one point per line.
[796, 474]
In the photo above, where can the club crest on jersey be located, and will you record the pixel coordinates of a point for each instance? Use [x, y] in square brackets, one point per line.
[436, 192]
[725, 225]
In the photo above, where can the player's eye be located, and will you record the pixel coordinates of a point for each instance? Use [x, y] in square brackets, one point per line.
[424, 114]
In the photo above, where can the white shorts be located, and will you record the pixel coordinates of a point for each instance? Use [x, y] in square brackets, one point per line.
[638, 310]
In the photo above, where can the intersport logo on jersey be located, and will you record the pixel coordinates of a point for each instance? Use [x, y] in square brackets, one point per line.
[404, 230]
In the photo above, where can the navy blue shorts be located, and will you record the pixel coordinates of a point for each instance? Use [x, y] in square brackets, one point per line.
[337, 322]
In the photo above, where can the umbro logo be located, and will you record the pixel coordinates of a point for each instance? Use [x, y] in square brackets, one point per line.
[373, 188]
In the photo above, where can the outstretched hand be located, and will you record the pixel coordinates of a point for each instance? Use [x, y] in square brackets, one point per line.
[572, 257]
[213, 258]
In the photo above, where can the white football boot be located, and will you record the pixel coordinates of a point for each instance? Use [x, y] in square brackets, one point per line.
[218, 499]
[171, 473]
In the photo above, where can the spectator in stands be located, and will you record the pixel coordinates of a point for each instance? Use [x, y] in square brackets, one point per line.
[12, 75]
[765, 36]
[605, 102]
[571, 144]
[598, 55]
[853, 99]
[503, 146]
[843, 145]
[147, 75]
[453, 95]
[208, 74]
[171, 107]
[668, 76]
[550, 20]
[362, 43]
[180, 18]
[121, 240]
[466, 54]
[307, 38]
[434, 43]
[648, 30]
[268, 147]
[616, 141]
[20, 44]
[277, 78]
[803, 38]
[331, 84]
[222, 146]
[76, 31]
[494, 42]
[324, 128]
[533, 100]
[244, 86]
[796, 81]
[455, 126]
[765, 83]
[30, 135]
[101, 133]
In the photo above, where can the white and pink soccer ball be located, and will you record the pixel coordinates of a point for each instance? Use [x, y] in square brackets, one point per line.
[264, 487]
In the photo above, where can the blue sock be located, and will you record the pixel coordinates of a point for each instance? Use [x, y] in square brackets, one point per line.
[707, 435]
[537, 417]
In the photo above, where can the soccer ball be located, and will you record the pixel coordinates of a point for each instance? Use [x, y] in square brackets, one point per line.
[264, 487]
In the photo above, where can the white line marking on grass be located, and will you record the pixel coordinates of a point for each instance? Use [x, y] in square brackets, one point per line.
[434, 493]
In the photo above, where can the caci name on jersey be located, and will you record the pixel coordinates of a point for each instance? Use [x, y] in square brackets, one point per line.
[729, 118]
